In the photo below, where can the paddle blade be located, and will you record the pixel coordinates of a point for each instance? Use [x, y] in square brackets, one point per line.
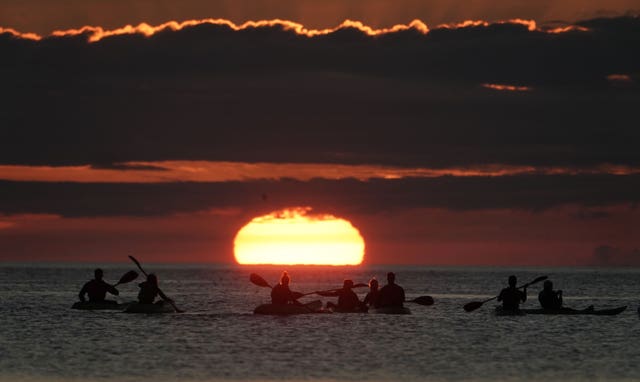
[360, 285]
[138, 264]
[259, 281]
[128, 277]
[423, 300]
[541, 278]
[473, 305]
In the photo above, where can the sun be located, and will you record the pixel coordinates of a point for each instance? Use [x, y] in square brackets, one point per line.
[296, 236]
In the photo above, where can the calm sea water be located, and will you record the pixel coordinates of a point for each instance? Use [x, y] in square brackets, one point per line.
[219, 339]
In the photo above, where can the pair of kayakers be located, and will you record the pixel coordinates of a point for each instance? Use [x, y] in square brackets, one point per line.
[97, 289]
[391, 295]
[511, 296]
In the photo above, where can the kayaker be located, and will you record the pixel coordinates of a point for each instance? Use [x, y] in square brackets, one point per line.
[281, 294]
[549, 298]
[371, 298]
[97, 289]
[347, 299]
[149, 291]
[391, 294]
[511, 296]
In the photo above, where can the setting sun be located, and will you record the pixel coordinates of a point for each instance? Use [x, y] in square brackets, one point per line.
[296, 236]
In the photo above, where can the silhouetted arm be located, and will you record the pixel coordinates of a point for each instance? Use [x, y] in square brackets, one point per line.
[83, 291]
[560, 298]
[111, 289]
[540, 299]
[163, 296]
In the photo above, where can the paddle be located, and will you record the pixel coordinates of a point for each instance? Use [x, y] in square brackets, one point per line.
[359, 285]
[161, 294]
[422, 300]
[259, 281]
[127, 277]
[473, 305]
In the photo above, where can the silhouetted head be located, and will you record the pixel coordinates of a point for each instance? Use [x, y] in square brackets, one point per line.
[391, 277]
[284, 279]
[548, 285]
[513, 280]
[152, 279]
[98, 274]
[373, 284]
[347, 284]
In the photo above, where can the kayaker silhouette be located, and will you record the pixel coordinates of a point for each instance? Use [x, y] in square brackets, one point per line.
[552, 299]
[149, 290]
[281, 294]
[97, 289]
[549, 298]
[511, 296]
[391, 294]
[348, 300]
[371, 299]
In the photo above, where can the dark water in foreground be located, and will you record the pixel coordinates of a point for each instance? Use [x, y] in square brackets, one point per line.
[219, 339]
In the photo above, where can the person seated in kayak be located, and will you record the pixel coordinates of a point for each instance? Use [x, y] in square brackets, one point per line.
[347, 299]
[371, 298]
[549, 298]
[511, 297]
[392, 294]
[281, 294]
[149, 291]
[97, 289]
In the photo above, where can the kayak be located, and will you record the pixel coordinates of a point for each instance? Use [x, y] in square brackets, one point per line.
[508, 312]
[335, 309]
[569, 311]
[562, 311]
[290, 309]
[391, 310]
[161, 307]
[107, 305]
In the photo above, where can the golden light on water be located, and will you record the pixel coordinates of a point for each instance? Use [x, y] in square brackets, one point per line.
[296, 236]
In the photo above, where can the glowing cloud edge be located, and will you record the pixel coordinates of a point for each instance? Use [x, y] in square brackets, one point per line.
[97, 33]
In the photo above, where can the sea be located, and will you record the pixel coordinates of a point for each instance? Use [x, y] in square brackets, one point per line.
[218, 338]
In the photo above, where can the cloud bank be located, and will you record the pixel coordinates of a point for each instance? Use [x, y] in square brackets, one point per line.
[270, 94]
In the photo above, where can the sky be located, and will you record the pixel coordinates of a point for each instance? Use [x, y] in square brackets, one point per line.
[497, 133]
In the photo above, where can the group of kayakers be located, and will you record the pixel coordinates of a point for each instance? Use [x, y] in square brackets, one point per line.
[96, 290]
[390, 295]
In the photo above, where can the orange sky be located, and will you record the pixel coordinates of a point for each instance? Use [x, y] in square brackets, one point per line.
[209, 171]
[417, 236]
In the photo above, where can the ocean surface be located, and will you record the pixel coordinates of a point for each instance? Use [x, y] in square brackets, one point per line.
[219, 339]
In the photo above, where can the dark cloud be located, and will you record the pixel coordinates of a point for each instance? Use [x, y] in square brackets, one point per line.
[265, 94]
[585, 214]
[533, 193]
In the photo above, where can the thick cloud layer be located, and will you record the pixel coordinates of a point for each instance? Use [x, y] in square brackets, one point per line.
[531, 193]
[265, 94]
